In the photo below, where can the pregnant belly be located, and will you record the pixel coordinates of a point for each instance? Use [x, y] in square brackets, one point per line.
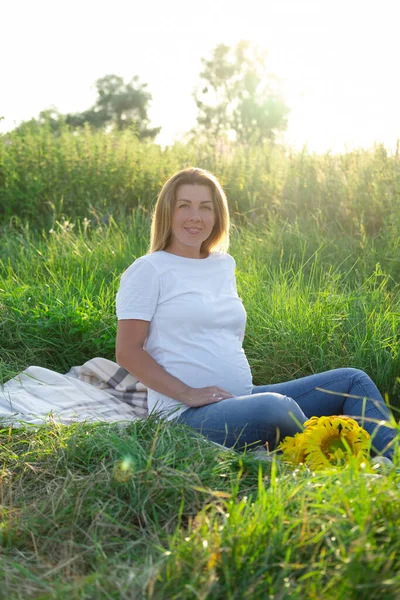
[230, 373]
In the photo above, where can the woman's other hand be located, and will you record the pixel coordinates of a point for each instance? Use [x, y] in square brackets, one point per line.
[195, 397]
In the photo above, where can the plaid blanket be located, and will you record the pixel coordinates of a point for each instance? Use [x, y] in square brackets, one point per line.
[98, 390]
[107, 375]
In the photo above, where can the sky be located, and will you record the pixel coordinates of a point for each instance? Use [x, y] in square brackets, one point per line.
[338, 61]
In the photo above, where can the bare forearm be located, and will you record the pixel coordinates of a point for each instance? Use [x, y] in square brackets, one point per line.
[140, 364]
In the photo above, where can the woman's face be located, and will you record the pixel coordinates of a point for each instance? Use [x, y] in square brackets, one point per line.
[193, 219]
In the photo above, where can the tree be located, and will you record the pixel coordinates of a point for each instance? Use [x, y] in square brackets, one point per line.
[50, 118]
[237, 95]
[118, 105]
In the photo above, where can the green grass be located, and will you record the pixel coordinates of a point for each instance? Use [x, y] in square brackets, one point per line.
[43, 177]
[312, 304]
[192, 520]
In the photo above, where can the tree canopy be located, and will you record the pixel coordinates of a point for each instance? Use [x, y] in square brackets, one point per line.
[119, 105]
[238, 95]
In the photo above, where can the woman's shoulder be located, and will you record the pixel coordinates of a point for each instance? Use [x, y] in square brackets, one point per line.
[223, 256]
[141, 265]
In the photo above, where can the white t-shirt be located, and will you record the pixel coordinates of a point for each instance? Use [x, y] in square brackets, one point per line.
[197, 321]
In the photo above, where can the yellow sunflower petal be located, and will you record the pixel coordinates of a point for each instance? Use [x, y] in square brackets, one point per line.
[292, 448]
[311, 422]
[333, 440]
[327, 441]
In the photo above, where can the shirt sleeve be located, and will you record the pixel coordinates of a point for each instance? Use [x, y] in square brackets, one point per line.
[138, 292]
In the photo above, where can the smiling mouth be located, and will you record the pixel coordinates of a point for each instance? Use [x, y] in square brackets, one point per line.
[192, 230]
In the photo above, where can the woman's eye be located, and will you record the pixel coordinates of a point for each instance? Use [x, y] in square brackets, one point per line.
[205, 206]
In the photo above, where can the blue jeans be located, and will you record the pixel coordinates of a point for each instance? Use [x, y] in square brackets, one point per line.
[274, 411]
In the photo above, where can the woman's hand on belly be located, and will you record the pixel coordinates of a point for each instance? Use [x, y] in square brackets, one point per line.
[196, 397]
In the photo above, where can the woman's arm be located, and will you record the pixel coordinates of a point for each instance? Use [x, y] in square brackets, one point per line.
[130, 355]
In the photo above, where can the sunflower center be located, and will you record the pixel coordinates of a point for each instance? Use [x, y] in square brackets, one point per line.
[331, 444]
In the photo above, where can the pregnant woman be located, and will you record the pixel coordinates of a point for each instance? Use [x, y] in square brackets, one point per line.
[181, 326]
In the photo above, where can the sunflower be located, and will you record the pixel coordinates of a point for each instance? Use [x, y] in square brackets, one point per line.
[327, 442]
[293, 448]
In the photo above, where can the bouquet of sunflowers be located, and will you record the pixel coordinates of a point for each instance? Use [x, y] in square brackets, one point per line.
[327, 442]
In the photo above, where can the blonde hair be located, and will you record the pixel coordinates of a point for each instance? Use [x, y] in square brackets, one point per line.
[161, 231]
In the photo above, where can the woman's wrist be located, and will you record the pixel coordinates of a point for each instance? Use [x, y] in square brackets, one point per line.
[184, 394]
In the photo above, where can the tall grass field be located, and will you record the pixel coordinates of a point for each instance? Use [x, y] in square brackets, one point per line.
[152, 510]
